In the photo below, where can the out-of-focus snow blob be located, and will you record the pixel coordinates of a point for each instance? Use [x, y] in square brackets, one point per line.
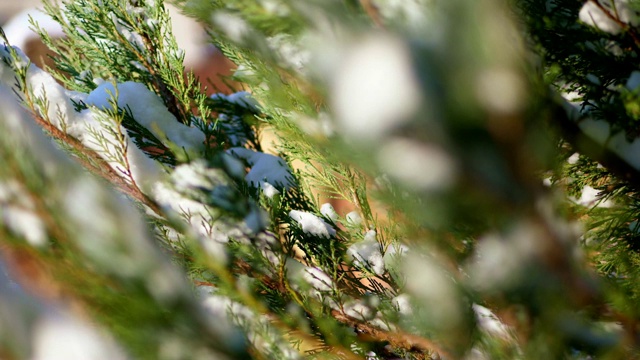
[18, 29]
[593, 15]
[490, 323]
[590, 197]
[64, 338]
[366, 253]
[422, 166]
[434, 289]
[501, 90]
[375, 89]
[633, 83]
[353, 218]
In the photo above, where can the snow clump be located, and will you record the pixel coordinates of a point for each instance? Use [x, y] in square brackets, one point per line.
[265, 168]
[591, 14]
[329, 212]
[375, 88]
[367, 254]
[314, 276]
[312, 224]
[149, 111]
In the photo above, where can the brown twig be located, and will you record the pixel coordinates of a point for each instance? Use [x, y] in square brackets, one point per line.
[396, 339]
[372, 10]
[93, 160]
[596, 151]
[170, 101]
[616, 19]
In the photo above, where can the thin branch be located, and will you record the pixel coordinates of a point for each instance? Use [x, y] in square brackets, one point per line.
[397, 339]
[94, 162]
[597, 152]
[616, 19]
[372, 10]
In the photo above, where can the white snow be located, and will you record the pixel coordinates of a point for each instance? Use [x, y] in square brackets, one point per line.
[571, 102]
[403, 303]
[132, 37]
[366, 253]
[371, 236]
[312, 224]
[111, 142]
[432, 288]
[269, 190]
[589, 197]
[354, 218]
[573, 158]
[264, 168]
[600, 131]
[42, 85]
[275, 7]
[289, 50]
[224, 313]
[358, 310]
[501, 259]
[18, 30]
[489, 322]
[25, 223]
[375, 89]
[243, 98]
[17, 213]
[243, 72]
[322, 126]
[89, 126]
[57, 338]
[501, 90]
[95, 213]
[234, 27]
[314, 276]
[198, 215]
[382, 324]
[234, 167]
[394, 254]
[144, 170]
[634, 81]
[422, 166]
[329, 212]
[415, 14]
[215, 249]
[592, 15]
[371, 355]
[318, 279]
[204, 220]
[192, 175]
[149, 111]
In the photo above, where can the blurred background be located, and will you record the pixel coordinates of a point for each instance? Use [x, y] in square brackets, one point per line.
[202, 58]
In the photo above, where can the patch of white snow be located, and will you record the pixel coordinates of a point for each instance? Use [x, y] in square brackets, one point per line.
[312, 224]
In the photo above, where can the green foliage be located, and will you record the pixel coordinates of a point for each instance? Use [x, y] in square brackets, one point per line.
[433, 123]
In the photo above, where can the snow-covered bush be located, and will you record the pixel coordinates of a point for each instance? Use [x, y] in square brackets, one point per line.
[141, 218]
